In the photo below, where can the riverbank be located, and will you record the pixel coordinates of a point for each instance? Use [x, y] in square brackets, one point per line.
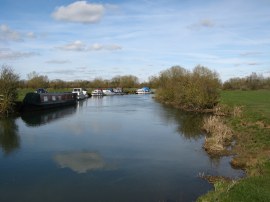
[251, 133]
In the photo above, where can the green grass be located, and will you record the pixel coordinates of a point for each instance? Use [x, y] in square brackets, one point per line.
[255, 102]
[250, 189]
[252, 132]
[22, 92]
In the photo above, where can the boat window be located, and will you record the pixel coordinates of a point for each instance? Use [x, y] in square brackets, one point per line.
[45, 98]
[53, 98]
[59, 97]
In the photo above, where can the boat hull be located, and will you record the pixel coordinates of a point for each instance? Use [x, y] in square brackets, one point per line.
[36, 101]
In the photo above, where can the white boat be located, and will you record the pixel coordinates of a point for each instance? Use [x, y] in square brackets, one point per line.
[81, 93]
[144, 90]
[118, 91]
[97, 92]
[108, 91]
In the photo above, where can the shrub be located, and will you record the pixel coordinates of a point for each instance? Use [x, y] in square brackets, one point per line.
[8, 89]
[219, 135]
[195, 91]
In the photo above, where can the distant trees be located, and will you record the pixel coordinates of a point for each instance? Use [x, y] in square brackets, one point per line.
[128, 81]
[195, 91]
[57, 83]
[8, 89]
[37, 81]
[251, 82]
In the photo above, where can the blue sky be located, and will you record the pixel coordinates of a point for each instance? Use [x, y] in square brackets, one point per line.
[83, 40]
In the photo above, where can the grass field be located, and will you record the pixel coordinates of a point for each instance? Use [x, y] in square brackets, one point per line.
[257, 103]
[252, 149]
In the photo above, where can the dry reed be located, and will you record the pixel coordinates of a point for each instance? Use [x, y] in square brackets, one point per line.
[219, 135]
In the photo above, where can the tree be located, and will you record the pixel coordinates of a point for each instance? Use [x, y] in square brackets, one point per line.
[9, 82]
[57, 83]
[129, 81]
[37, 81]
[196, 90]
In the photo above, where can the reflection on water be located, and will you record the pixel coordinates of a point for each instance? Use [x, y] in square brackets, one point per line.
[80, 162]
[189, 124]
[37, 118]
[9, 139]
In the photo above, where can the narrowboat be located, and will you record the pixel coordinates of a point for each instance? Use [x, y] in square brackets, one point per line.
[41, 100]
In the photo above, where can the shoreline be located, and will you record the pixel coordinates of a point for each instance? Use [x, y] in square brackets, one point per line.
[246, 140]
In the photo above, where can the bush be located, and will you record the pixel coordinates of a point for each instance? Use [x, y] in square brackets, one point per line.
[8, 89]
[195, 91]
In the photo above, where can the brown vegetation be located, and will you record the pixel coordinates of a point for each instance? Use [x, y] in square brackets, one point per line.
[219, 135]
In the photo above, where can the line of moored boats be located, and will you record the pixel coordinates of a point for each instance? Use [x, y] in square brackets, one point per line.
[41, 99]
[82, 93]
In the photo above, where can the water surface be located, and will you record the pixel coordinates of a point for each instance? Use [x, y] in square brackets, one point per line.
[118, 148]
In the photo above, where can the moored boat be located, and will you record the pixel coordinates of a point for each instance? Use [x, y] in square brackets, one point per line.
[81, 93]
[41, 100]
[108, 91]
[144, 90]
[118, 91]
[97, 92]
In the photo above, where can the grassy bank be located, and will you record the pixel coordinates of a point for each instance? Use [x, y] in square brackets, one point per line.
[252, 149]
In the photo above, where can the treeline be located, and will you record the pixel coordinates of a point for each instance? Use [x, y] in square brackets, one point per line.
[41, 81]
[196, 90]
[252, 82]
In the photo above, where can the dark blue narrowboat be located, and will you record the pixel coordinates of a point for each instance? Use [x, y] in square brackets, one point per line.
[41, 100]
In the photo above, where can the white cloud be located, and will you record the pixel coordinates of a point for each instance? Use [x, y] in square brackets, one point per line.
[7, 34]
[74, 46]
[80, 46]
[250, 53]
[31, 35]
[97, 47]
[57, 61]
[9, 54]
[204, 23]
[80, 11]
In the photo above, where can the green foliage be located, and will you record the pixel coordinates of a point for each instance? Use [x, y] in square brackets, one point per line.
[196, 90]
[8, 89]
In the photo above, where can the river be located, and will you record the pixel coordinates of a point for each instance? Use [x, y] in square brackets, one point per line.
[114, 148]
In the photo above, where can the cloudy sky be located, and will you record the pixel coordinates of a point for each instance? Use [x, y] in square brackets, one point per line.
[70, 40]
